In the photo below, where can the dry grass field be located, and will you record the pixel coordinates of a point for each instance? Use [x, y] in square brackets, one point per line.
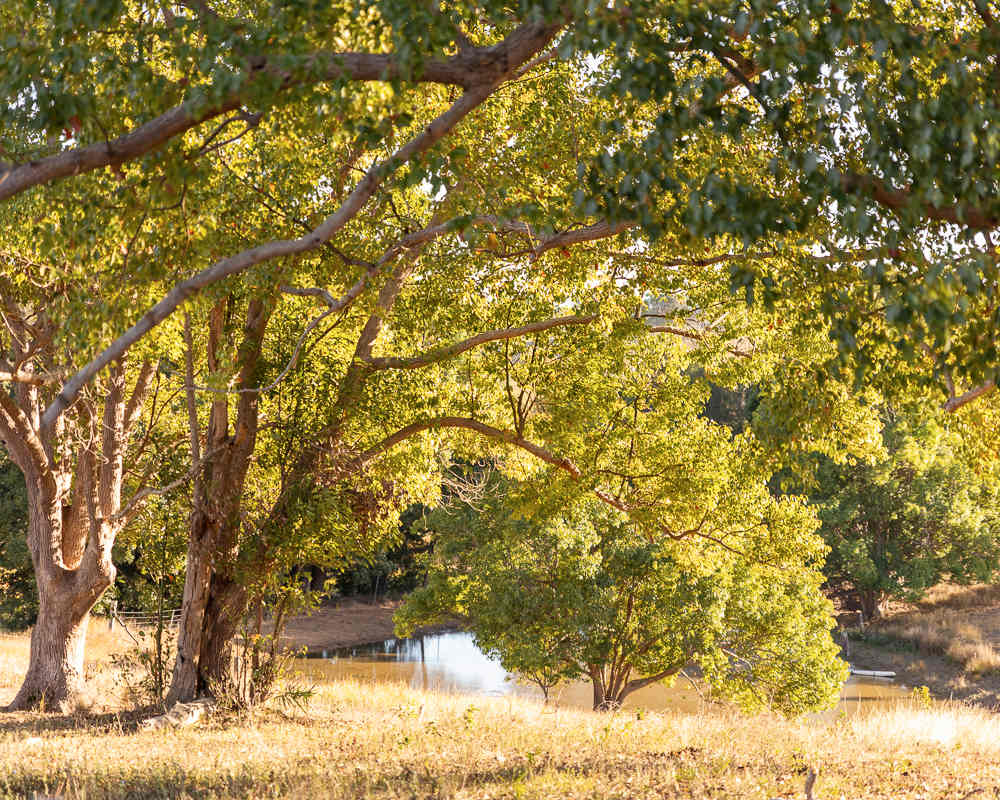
[362, 740]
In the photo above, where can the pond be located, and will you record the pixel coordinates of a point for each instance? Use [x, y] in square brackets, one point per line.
[451, 662]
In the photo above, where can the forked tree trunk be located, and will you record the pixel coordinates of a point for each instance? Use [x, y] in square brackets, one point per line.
[612, 684]
[55, 672]
[213, 603]
[74, 506]
[66, 597]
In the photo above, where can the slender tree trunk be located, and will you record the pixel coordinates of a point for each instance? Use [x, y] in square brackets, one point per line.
[610, 690]
[607, 701]
[598, 693]
[603, 699]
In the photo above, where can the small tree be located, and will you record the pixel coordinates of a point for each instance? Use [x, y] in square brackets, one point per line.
[904, 522]
[570, 588]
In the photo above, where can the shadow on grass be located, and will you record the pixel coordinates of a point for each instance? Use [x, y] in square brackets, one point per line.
[38, 722]
[171, 780]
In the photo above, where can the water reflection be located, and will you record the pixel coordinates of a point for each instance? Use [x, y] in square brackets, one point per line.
[451, 662]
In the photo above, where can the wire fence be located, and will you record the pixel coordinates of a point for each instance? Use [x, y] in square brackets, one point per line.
[171, 618]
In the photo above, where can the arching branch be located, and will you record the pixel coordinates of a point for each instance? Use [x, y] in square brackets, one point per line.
[468, 69]
[509, 437]
[696, 336]
[522, 43]
[955, 403]
[448, 351]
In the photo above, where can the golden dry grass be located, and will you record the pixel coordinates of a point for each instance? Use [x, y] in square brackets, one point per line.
[382, 741]
[947, 632]
[955, 596]
[365, 740]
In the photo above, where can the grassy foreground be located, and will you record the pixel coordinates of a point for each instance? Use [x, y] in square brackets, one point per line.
[381, 741]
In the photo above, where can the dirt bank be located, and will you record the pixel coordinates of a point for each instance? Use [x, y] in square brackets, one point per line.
[976, 606]
[346, 624]
[944, 678]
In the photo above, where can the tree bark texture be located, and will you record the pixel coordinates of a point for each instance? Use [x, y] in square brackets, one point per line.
[73, 475]
[214, 602]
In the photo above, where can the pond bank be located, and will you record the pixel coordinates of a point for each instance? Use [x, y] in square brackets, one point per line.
[348, 623]
[945, 679]
[913, 638]
[353, 622]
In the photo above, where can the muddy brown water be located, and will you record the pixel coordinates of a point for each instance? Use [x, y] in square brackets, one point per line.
[451, 662]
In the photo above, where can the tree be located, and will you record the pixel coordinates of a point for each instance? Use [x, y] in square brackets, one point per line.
[665, 548]
[899, 525]
[567, 592]
[74, 476]
[874, 114]
[88, 473]
[161, 95]
[434, 310]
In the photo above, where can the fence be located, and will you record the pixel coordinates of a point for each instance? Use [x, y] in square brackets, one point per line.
[143, 619]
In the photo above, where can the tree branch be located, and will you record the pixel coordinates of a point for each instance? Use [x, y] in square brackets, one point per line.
[11, 374]
[138, 397]
[468, 424]
[599, 230]
[135, 502]
[699, 337]
[639, 683]
[533, 35]
[471, 70]
[899, 199]
[955, 403]
[448, 351]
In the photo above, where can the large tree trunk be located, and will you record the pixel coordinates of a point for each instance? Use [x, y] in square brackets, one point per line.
[66, 597]
[210, 616]
[213, 602]
[227, 605]
[55, 670]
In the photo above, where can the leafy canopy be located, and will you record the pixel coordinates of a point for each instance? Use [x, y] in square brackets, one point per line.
[902, 523]
[668, 551]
